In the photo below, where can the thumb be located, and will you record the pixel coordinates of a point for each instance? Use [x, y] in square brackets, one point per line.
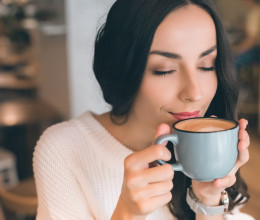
[162, 129]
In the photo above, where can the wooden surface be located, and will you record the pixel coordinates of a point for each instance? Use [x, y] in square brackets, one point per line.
[21, 198]
[251, 173]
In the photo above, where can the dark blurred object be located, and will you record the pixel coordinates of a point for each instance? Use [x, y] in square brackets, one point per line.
[248, 58]
[8, 171]
[21, 123]
[19, 14]
[20, 38]
[44, 15]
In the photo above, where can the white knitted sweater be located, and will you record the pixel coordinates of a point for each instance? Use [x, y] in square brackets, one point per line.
[78, 168]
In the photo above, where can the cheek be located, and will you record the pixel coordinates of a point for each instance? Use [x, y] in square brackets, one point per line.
[152, 95]
[150, 92]
[210, 87]
[158, 90]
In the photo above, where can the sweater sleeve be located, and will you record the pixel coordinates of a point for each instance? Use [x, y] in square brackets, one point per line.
[59, 193]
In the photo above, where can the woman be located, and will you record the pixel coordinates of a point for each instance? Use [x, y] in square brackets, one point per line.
[157, 61]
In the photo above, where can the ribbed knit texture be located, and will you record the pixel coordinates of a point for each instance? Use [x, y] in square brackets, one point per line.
[79, 168]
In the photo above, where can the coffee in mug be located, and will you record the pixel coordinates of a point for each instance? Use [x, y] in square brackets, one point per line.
[204, 125]
[205, 148]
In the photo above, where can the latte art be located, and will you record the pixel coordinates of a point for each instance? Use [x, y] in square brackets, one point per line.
[204, 125]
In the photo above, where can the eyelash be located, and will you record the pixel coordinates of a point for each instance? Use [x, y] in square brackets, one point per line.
[162, 73]
[207, 69]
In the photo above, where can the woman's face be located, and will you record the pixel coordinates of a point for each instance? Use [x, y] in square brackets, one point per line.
[180, 79]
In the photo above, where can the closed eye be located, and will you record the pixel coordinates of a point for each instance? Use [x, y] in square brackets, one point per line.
[161, 73]
[206, 69]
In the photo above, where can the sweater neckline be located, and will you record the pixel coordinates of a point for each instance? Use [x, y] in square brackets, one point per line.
[104, 143]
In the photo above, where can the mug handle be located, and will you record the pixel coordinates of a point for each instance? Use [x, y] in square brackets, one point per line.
[174, 139]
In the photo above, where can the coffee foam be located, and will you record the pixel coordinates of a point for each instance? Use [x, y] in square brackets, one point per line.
[204, 125]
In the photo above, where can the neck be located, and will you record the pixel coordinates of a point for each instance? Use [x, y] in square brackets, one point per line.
[133, 133]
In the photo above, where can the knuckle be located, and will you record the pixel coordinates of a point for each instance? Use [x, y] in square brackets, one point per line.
[158, 150]
[131, 181]
[134, 196]
[141, 207]
[244, 158]
[127, 161]
[168, 197]
[169, 170]
[170, 185]
[247, 156]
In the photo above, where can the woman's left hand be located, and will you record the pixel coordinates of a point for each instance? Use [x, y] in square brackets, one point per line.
[209, 193]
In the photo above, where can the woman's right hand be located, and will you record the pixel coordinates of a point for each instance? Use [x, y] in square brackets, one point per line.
[145, 188]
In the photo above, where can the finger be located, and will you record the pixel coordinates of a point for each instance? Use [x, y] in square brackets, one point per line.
[147, 176]
[151, 190]
[243, 123]
[158, 174]
[141, 159]
[243, 144]
[213, 116]
[162, 129]
[243, 157]
[244, 140]
[225, 182]
[155, 202]
[243, 153]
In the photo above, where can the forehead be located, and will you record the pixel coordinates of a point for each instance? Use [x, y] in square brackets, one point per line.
[187, 27]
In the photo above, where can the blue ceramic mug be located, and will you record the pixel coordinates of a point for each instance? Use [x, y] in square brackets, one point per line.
[205, 148]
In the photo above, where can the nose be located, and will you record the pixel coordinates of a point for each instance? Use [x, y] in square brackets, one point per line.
[191, 90]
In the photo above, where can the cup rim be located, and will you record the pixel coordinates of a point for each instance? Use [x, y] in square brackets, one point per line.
[214, 118]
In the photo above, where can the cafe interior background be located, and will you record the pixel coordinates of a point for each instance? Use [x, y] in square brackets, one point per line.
[46, 49]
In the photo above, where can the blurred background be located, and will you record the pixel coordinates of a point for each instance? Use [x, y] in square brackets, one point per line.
[46, 50]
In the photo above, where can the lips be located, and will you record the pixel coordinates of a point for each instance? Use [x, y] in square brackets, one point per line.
[185, 115]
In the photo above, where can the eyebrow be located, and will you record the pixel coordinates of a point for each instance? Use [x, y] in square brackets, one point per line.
[177, 56]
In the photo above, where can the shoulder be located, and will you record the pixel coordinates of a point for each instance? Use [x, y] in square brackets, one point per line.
[58, 134]
[62, 139]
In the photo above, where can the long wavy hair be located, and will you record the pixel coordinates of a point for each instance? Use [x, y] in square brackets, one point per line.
[121, 51]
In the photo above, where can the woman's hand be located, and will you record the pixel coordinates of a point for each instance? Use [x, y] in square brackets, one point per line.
[145, 188]
[209, 192]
